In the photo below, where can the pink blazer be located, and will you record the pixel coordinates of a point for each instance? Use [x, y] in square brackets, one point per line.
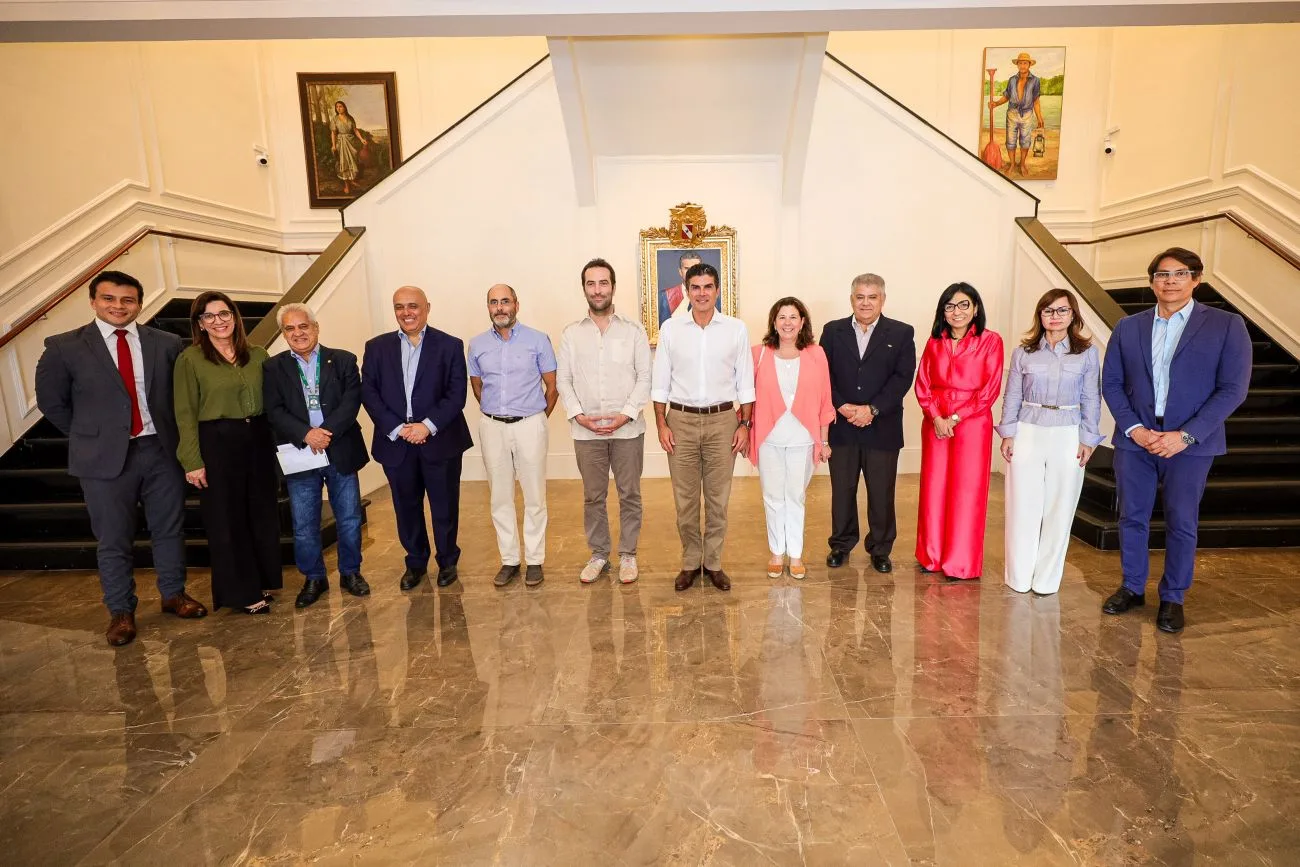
[812, 395]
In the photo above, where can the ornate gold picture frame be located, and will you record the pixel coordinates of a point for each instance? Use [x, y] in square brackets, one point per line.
[666, 252]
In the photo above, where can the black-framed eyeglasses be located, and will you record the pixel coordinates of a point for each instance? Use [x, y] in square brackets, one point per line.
[1182, 275]
[956, 305]
[223, 315]
[1056, 311]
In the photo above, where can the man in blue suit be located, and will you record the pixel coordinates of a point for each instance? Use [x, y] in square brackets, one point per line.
[1172, 376]
[413, 386]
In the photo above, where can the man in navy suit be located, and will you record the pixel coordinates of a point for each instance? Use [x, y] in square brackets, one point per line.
[872, 360]
[413, 386]
[1172, 376]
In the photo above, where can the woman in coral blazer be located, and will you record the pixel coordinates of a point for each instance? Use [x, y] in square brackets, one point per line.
[957, 381]
[792, 411]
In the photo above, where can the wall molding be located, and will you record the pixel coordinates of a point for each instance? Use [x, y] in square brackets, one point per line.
[1159, 193]
[61, 225]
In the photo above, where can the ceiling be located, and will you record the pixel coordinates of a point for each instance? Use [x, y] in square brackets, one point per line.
[100, 20]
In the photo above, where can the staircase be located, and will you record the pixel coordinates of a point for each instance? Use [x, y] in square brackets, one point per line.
[43, 520]
[1252, 498]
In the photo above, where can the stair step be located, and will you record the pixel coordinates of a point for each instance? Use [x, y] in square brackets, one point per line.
[38, 484]
[1271, 397]
[1214, 531]
[1275, 373]
[1224, 493]
[47, 452]
[51, 521]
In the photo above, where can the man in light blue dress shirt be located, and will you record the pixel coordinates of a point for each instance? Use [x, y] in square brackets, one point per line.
[512, 371]
[1170, 403]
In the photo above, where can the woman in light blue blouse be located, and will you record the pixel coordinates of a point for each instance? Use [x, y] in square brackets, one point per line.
[1051, 415]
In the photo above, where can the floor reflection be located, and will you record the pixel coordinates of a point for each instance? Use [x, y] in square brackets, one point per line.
[852, 718]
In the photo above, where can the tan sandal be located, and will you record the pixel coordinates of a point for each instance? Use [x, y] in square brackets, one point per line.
[775, 567]
[797, 570]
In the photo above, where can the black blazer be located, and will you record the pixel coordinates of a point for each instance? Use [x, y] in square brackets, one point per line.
[340, 401]
[439, 392]
[80, 391]
[882, 378]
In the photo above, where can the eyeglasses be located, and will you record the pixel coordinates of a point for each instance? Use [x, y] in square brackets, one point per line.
[1056, 311]
[1180, 276]
[223, 315]
[956, 305]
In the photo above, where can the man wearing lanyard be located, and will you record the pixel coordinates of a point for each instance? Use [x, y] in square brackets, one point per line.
[512, 372]
[312, 396]
[1170, 404]
[702, 369]
[413, 388]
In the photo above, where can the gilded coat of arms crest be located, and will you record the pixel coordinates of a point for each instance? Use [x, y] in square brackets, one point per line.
[667, 251]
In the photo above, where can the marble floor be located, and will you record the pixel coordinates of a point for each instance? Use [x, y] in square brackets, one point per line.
[852, 718]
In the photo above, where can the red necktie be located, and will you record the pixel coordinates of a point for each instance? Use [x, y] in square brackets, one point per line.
[126, 367]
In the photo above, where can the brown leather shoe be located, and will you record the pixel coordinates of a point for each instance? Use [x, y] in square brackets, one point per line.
[184, 605]
[719, 578]
[685, 579]
[121, 629]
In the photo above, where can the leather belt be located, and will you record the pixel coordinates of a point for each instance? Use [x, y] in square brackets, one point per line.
[702, 410]
[505, 419]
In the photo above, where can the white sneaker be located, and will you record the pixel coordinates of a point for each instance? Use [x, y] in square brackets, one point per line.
[593, 570]
[627, 569]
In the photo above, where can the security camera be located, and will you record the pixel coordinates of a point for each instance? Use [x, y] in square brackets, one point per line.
[1108, 147]
[261, 156]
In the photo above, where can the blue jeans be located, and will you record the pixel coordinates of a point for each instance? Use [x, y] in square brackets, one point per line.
[305, 500]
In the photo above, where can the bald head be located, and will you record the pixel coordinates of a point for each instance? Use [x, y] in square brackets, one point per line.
[503, 307]
[411, 308]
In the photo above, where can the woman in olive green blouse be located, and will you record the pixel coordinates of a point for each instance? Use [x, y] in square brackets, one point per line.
[228, 453]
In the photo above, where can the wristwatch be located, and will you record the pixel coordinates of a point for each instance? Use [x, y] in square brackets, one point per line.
[954, 418]
[874, 412]
[1188, 439]
[744, 422]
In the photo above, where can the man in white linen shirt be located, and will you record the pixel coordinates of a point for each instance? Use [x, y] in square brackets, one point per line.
[703, 367]
[604, 380]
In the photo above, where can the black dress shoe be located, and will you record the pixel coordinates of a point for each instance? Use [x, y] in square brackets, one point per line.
[354, 584]
[882, 563]
[505, 575]
[835, 559]
[1170, 617]
[411, 579]
[718, 578]
[685, 579]
[310, 592]
[533, 575]
[1122, 600]
[446, 576]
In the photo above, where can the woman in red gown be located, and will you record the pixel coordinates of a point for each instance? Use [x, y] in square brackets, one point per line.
[957, 381]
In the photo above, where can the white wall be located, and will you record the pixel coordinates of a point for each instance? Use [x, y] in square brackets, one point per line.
[856, 213]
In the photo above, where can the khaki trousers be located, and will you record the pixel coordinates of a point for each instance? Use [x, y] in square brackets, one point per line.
[596, 459]
[701, 465]
[517, 451]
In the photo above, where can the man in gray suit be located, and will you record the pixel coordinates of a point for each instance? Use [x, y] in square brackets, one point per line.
[108, 386]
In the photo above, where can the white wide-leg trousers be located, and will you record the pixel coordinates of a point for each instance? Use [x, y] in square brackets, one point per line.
[783, 475]
[1043, 483]
[517, 451]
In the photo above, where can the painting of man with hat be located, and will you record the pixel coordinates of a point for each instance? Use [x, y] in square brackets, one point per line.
[1032, 118]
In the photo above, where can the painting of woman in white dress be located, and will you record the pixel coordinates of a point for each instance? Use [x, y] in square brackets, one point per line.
[350, 134]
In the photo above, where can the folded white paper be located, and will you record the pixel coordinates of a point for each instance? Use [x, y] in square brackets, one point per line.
[299, 460]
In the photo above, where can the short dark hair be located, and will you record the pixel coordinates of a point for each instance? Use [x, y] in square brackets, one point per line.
[702, 268]
[119, 278]
[941, 326]
[689, 254]
[805, 336]
[1189, 259]
[597, 263]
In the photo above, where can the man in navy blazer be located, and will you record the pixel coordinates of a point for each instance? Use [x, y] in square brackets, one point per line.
[1172, 376]
[312, 395]
[413, 386]
[872, 360]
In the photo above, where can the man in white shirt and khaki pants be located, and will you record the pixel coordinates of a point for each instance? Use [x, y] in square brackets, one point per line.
[603, 377]
[702, 369]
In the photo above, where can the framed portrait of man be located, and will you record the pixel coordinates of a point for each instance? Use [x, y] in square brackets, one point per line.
[668, 252]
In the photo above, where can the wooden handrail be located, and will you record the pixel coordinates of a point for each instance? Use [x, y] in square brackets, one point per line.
[1231, 216]
[305, 286]
[117, 252]
[1083, 283]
